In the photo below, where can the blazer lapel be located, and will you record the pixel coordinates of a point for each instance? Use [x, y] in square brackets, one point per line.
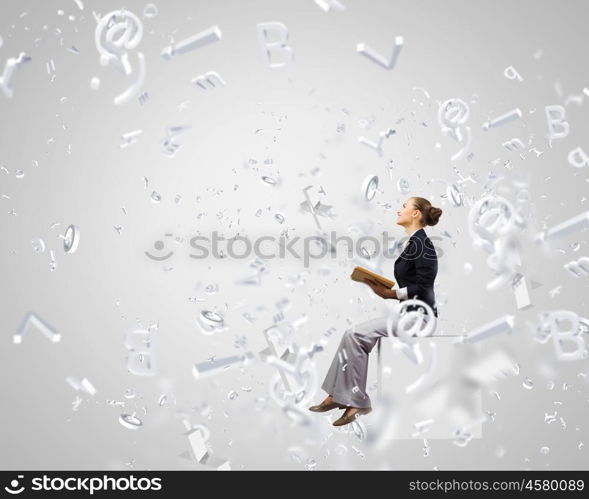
[413, 236]
[416, 232]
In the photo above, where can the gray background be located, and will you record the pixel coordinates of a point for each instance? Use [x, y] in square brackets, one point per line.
[108, 286]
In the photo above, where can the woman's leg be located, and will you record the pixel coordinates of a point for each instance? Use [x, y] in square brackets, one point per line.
[336, 364]
[346, 378]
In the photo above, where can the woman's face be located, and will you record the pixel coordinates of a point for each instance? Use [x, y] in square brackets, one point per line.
[407, 212]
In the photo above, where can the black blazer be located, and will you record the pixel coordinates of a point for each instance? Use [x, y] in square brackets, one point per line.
[417, 267]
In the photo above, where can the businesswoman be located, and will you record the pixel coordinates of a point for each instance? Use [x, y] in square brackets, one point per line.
[415, 272]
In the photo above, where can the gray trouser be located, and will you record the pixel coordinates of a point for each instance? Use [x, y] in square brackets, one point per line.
[346, 379]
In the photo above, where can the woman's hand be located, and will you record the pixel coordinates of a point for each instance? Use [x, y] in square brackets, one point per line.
[380, 289]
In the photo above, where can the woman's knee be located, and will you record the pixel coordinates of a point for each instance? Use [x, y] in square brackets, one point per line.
[349, 336]
[353, 335]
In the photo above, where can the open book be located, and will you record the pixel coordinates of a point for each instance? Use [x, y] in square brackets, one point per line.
[360, 274]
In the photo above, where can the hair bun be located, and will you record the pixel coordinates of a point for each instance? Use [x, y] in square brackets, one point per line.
[429, 214]
[434, 215]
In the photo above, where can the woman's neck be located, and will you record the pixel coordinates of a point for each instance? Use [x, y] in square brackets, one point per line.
[412, 228]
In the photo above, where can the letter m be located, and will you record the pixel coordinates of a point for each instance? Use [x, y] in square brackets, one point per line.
[578, 267]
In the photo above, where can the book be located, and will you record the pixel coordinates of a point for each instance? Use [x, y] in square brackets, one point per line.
[360, 274]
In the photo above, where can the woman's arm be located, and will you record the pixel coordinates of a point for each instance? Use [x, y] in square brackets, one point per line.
[426, 266]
